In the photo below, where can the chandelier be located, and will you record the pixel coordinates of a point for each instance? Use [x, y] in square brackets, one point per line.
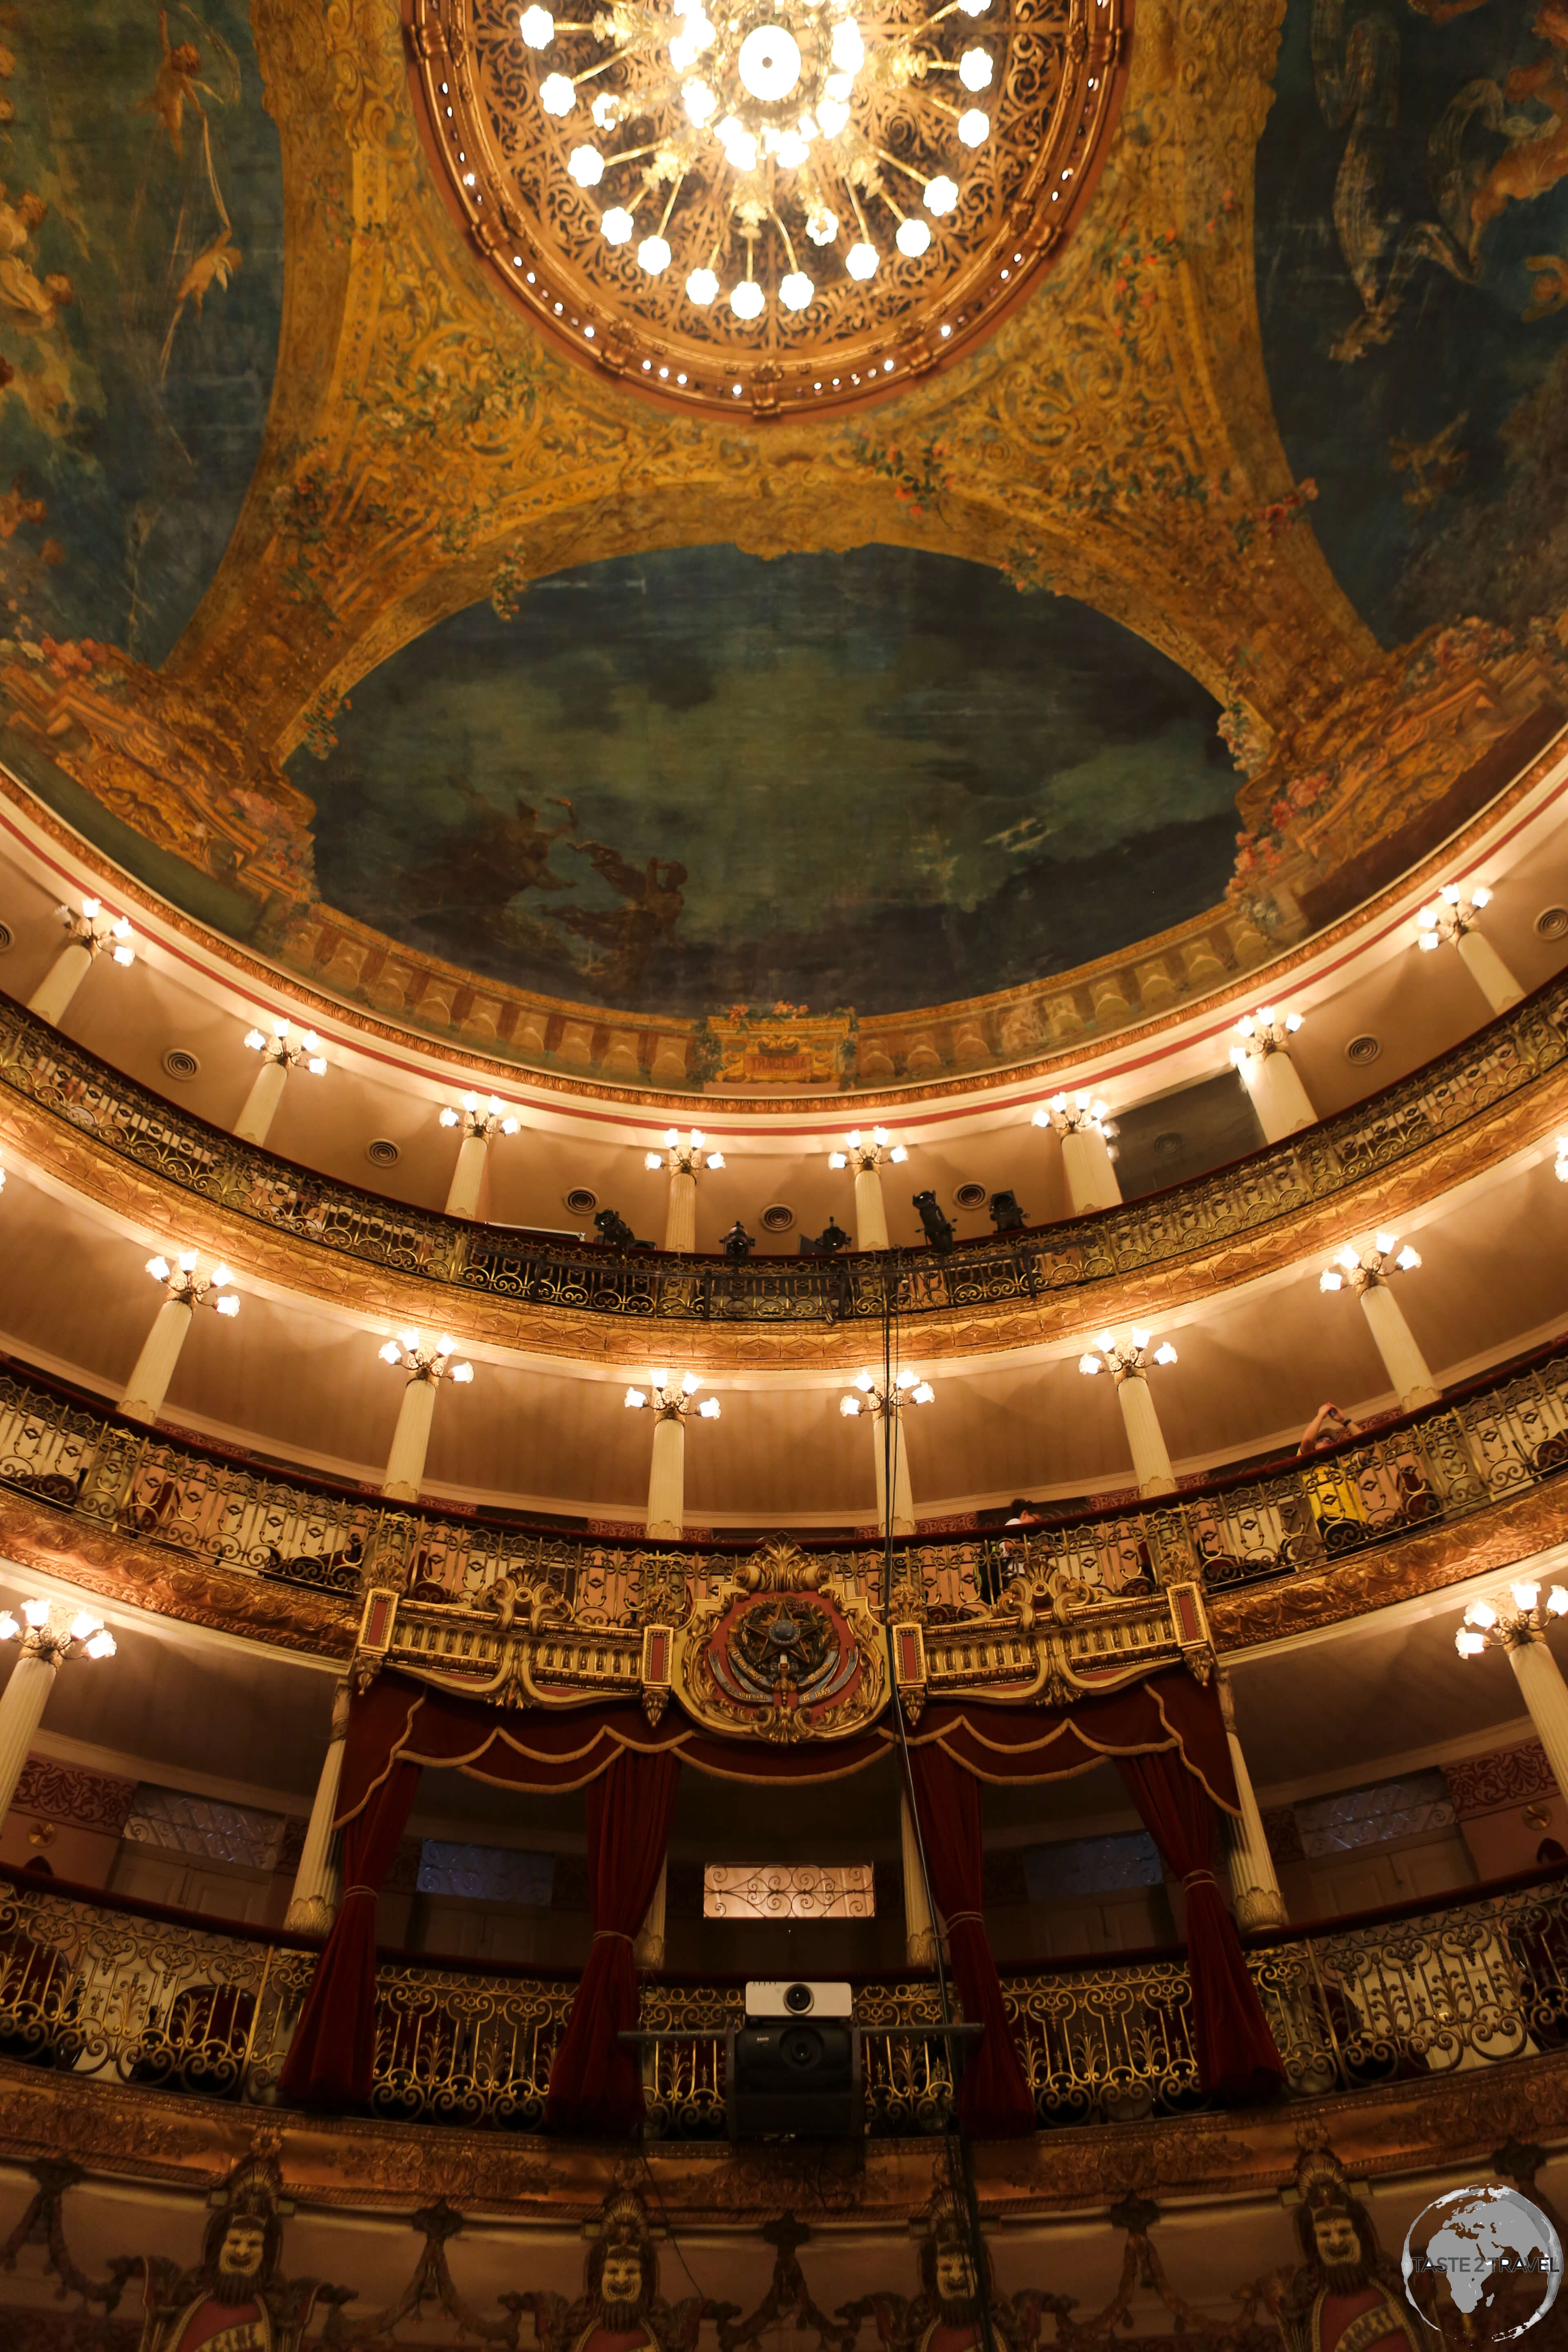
[787, 204]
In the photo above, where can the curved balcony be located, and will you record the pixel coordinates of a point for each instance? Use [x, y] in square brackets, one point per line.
[134, 1502]
[98, 1133]
[109, 1990]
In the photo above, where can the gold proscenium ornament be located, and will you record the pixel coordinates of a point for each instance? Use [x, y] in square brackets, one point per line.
[781, 205]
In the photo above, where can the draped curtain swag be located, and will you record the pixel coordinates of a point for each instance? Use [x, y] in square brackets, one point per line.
[1235, 2052]
[993, 2102]
[1165, 1731]
[595, 2083]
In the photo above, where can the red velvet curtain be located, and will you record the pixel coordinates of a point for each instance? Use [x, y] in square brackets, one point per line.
[994, 2101]
[332, 2058]
[596, 2083]
[1235, 2052]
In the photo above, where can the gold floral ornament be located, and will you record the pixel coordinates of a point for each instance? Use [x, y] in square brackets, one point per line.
[787, 205]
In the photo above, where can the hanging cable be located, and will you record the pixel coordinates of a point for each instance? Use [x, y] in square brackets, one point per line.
[960, 2157]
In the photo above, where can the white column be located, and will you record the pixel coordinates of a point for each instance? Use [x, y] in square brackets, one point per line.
[61, 980]
[667, 1481]
[463, 1192]
[1545, 1696]
[1090, 1172]
[315, 1896]
[870, 1211]
[904, 1504]
[1282, 1103]
[1406, 1365]
[154, 1367]
[919, 1935]
[1253, 1884]
[255, 1121]
[1151, 1462]
[21, 1712]
[1489, 971]
[681, 1218]
[648, 1952]
[410, 1443]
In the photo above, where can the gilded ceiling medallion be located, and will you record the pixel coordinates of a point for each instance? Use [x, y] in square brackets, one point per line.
[779, 205]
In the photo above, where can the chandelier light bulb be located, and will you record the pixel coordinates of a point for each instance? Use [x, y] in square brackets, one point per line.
[1086, 1363]
[848, 1406]
[740, 144]
[715, 1159]
[1557, 1600]
[84, 1626]
[1141, 1339]
[940, 195]
[974, 7]
[1105, 1341]
[1165, 1353]
[701, 288]
[449, 1117]
[861, 260]
[124, 955]
[101, 1645]
[9, 1629]
[701, 103]
[159, 1268]
[605, 111]
[461, 1373]
[1450, 894]
[746, 300]
[912, 239]
[708, 1409]
[228, 1304]
[853, 1138]
[1347, 1259]
[187, 1261]
[821, 226]
[556, 94]
[769, 62]
[924, 1393]
[390, 1352]
[654, 256]
[1468, 1644]
[659, 1379]
[537, 26]
[841, 1159]
[878, 1135]
[634, 1401]
[37, 1614]
[848, 50]
[690, 1382]
[1480, 897]
[586, 166]
[796, 290]
[92, 908]
[791, 151]
[1407, 1261]
[697, 1139]
[1384, 1242]
[617, 225]
[1525, 1595]
[864, 1382]
[255, 1040]
[974, 127]
[905, 1379]
[975, 68]
[898, 1154]
[1481, 1613]
[1330, 1280]
[409, 1342]
[833, 114]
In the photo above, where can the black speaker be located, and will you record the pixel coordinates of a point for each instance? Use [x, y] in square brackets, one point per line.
[796, 2074]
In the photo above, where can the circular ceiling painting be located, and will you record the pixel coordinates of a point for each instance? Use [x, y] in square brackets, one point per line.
[784, 204]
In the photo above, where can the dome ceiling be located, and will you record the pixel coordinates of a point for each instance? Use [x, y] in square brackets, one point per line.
[693, 778]
[1292, 428]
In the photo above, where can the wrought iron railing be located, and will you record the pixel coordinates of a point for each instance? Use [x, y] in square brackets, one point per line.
[1499, 1062]
[121, 1992]
[1482, 1446]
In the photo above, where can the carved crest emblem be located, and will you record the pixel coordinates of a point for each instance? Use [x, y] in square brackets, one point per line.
[785, 1657]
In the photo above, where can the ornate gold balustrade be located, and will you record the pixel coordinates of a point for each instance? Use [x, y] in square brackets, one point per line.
[1482, 1446]
[1498, 1066]
[122, 1993]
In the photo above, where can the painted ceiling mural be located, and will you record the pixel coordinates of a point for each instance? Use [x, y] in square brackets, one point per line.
[141, 299]
[1412, 285]
[692, 778]
[1270, 453]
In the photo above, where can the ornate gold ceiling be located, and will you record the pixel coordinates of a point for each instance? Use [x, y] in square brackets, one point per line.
[428, 446]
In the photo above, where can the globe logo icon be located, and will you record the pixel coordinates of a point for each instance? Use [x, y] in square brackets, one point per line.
[1489, 2255]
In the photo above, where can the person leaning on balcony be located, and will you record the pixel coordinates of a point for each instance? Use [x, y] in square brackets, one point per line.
[1332, 1491]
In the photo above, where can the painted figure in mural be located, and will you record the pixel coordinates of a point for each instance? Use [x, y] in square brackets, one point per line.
[944, 2316]
[496, 857]
[236, 2299]
[1347, 2295]
[654, 896]
[620, 2308]
[176, 86]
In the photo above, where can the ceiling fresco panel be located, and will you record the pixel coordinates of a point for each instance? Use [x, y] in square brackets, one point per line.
[141, 305]
[695, 778]
[1412, 196]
